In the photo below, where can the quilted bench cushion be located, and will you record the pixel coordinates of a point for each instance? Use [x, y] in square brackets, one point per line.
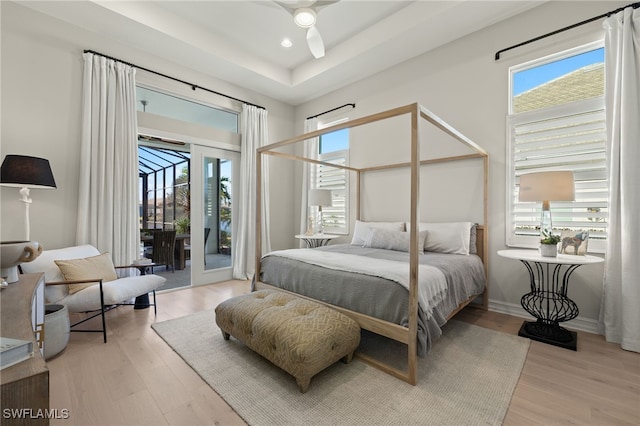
[300, 336]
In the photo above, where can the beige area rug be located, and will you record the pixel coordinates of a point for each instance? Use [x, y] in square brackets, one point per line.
[467, 379]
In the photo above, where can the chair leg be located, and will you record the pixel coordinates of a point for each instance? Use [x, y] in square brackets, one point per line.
[104, 322]
[155, 303]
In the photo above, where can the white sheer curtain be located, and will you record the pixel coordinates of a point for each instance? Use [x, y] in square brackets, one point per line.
[310, 150]
[254, 134]
[108, 192]
[620, 315]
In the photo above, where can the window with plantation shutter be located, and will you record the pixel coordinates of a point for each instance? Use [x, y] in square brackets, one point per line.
[334, 218]
[553, 136]
[334, 149]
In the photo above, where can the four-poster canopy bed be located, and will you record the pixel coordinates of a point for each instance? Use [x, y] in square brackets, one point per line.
[404, 333]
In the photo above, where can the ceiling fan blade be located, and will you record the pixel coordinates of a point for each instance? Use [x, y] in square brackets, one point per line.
[314, 40]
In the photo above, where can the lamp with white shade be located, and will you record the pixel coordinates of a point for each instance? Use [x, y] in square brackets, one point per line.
[320, 198]
[547, 187]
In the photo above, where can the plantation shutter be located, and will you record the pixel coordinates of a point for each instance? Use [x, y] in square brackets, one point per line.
[336, 180]
[568, 137]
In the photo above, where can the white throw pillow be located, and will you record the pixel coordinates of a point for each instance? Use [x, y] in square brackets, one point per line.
[361, 230]
[446, 237]
[393, 240]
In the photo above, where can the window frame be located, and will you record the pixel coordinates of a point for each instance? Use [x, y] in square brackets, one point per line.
[539, 115]
[332, 156]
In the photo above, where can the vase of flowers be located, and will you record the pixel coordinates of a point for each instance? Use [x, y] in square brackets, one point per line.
[549, 244]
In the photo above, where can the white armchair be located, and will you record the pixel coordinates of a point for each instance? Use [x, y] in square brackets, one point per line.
[94, 293]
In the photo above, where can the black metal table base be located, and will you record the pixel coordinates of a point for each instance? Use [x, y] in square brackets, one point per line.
[551, 334]
[142, 302]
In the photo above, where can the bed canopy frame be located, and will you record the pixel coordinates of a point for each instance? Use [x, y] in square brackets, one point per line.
[405, 335]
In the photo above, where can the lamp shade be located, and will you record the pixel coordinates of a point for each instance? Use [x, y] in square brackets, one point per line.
[547, 186]
[320, 197]
[24, 171]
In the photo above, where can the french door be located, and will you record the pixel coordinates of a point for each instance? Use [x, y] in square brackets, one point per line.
[215, 174]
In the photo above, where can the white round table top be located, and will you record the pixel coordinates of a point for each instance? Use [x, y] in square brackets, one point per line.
[317, 236]
[535, 256]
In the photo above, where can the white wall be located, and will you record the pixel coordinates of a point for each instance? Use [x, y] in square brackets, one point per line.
[41, 115]
[463, 84]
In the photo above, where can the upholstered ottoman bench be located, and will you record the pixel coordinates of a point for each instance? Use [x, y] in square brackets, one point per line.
[299, 336]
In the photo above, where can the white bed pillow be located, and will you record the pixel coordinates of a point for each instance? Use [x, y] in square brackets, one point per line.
[361, 230]
[393, 240]
[446, 237]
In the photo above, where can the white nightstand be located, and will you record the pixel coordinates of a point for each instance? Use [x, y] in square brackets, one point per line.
[316, 240]
[548, 301]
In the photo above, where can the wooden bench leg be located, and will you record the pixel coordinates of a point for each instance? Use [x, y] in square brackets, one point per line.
[347, 358]
[303, 383]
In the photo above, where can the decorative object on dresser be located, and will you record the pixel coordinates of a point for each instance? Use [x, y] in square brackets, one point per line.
[84, 280]
[25, 172]
[14, 253]
[546, 187]
[12, 351]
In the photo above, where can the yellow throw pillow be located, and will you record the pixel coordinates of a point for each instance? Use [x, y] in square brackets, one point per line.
[90, 268]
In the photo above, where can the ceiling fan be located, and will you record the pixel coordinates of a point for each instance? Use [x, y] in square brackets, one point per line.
[304, 15]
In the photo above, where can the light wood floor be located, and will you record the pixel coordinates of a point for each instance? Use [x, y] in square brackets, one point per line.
[137, 379]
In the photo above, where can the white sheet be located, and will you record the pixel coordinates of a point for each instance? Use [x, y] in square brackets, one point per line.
[432, 285]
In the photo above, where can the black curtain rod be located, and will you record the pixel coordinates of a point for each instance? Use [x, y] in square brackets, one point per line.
[193, 86]
[604, 15]
[331, 110]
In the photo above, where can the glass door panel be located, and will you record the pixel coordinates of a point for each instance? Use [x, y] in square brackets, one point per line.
[215, 175]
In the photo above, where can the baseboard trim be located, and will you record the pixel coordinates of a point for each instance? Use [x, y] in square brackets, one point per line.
[582, 324]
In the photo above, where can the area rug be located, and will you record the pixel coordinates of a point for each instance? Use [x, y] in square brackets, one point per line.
[467, 379]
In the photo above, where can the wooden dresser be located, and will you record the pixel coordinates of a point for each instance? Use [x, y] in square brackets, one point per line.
[25, 386]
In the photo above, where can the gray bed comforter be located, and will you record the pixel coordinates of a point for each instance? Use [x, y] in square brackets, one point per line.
[375, 296]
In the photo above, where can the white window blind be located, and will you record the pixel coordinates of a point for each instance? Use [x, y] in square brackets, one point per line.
[337, 180]
[567, 137]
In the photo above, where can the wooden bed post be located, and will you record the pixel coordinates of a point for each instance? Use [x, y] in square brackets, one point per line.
[258, 248]
[357, 195]
[412, 362]
[485, 240]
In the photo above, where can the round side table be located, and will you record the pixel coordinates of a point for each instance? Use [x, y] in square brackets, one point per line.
[548, 301]
[316, 240]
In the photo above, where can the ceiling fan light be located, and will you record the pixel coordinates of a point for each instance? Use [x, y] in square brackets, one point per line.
[304, 17]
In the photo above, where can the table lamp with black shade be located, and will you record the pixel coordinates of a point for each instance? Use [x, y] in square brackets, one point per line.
[24, 172]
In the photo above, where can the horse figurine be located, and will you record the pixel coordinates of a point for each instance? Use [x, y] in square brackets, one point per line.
[574, 242]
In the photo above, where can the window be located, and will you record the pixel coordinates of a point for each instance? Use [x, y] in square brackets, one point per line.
[163, 186]
[155, 102]
[334, 149]
[557, 122]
